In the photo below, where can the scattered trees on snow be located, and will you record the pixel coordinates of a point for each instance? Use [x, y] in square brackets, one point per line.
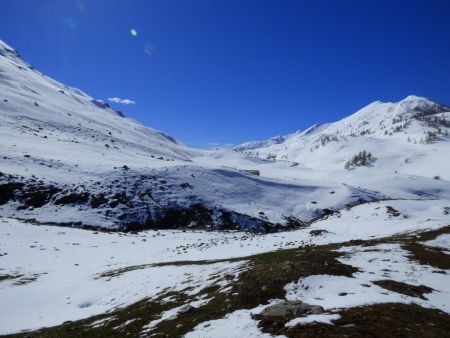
[363, 158]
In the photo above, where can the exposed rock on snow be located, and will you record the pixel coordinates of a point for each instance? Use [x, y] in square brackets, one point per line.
[290, 309]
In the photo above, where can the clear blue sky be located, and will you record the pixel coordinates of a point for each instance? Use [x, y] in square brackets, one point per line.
[228, 71]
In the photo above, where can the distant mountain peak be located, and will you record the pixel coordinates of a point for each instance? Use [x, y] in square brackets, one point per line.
[376, 120]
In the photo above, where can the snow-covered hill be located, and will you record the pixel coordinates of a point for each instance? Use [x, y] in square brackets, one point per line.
[69, 159]
[43, 117]
[410, 119]
[408, 136]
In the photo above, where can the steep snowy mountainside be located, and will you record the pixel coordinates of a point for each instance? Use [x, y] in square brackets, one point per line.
[42, 117]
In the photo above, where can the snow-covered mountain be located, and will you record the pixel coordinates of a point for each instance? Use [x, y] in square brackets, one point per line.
[251, 145]
[43, 115]
[382, 128]
[69, 159]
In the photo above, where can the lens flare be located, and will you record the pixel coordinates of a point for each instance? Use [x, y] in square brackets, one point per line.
[133, 32]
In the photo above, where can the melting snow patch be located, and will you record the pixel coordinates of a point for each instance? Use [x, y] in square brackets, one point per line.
[234, 325]
[388, 262]
[442, 241]
[102, 321]
[172, 313]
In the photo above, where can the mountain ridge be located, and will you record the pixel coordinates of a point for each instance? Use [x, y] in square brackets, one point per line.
[378, 119]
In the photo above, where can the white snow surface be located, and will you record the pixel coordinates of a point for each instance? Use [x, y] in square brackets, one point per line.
[442, 241]
[66, 262]
[63, 137]
[379, 262]
[234, 325]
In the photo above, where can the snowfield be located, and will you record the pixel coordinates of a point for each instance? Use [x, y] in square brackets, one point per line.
[387, 262]
[106, 224]
[54, 272]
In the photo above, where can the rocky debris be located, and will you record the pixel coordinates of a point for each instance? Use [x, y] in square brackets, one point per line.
[392, 211]
[289, 309]
[130, 202]
[98, 200]
[318, 232]
[327, 211]
[294, 222]
[120, 198]
[37, 196]
[7, 191]
[73, 198]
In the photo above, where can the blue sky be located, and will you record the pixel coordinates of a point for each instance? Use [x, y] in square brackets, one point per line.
[225, 71]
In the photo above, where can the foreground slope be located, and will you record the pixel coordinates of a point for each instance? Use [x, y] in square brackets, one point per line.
[358, 276]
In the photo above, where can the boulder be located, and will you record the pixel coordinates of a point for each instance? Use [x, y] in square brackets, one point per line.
[290, 309]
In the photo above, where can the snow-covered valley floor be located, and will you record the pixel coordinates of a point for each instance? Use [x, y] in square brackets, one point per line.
[51, 275]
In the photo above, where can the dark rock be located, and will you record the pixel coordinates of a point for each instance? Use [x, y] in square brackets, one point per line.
[38, 196]
[7, 191]
[73, 198]
[294, 222]
[120, 197]
[327, 211]
[98, 200]
[392, 211]
[289, 309]
[318, 232]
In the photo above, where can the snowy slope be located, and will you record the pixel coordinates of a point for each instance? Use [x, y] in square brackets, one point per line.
[69, 159]
[42, 117]
[379, 126]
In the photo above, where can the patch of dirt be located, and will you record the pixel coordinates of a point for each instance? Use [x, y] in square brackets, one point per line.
[378, 320]
[427, 255]
[404, 288]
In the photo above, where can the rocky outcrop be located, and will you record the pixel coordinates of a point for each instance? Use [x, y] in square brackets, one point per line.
[289, 309]
[129, 202]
